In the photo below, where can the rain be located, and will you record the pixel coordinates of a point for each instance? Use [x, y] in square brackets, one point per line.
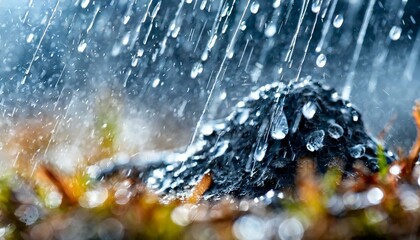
[112, 84]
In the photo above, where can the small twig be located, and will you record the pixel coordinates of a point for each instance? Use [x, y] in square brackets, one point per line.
[201, 187]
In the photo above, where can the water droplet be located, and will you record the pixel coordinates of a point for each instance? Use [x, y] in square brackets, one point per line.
[27, 214]
[395, 33]
[242, 26]
[82, 46]
[240, 104]
[375, 195]
[249, 227]
[126, 39]
[84, 3]
[280, 128]
[242, 116]
[395, 170]
[30, 37]
[155, 10]
[122, 196]
[270, 30]
[335, 131]
[260, 150]
[357, 151]
[230, 54]
[207, 130]
[315, 140]
[197, 69]
[155, 82]
[338, 21]
[255, 6]
[140, 53]
[316, 6]
[180, 215]
[203, 4]
[321, 60]
[276, 3]
[220, 148]
[296, 122]
[355, 116]
[309, 110]
[262, 145]
[53, 199]
[291, 228]
[134, 62]
[212, 41]
[225, 11]
[409, 200]
[126, 19]
[335, 96]
[223, 95]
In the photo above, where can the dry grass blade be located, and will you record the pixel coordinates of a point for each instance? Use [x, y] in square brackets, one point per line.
[415, 150]
[201, 188]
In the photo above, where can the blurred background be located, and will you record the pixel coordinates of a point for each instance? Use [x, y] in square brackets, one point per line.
[168, 64]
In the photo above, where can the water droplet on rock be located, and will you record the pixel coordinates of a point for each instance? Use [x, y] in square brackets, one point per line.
[335, 131]
[309, 110]
[357, 151]
[315, 140]
[280, 128]
[220, 149]
[262, 145]
[260, 150]
[242, 116]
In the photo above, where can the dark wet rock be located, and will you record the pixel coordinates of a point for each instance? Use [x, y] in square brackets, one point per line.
[257, 147]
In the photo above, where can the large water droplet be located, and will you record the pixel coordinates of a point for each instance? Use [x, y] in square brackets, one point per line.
[270, 30]
[321, 60]
[338, 21]
[280, 128]
[335, 131]
[357, 151]
[395, 33]
[315, 140]
[309, 110]
[276, 3]
[316, 6]
[255, 6]
[197, 69]
[27, 214]
[155, 82]
[84, 3]
[82, 46]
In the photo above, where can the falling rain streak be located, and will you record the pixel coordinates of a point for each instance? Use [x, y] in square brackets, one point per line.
[183, 62]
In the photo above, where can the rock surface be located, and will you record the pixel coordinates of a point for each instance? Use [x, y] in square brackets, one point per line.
[257, 147]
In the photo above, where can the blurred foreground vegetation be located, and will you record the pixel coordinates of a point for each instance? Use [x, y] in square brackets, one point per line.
[41, 201]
